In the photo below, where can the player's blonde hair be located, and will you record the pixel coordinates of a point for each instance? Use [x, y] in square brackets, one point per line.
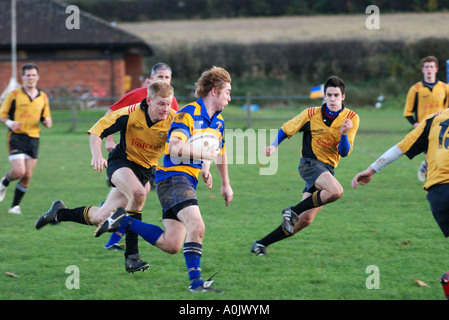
[160, 88]
[216, 77]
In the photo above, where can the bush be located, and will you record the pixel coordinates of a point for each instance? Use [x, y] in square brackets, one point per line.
[312, 62]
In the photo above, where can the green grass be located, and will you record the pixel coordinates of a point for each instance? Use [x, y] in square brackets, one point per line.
[386, 223]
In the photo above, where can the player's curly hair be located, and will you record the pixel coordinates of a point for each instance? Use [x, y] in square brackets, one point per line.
[215, 77]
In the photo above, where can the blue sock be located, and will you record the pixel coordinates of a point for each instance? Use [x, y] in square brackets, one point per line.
[192, 255]
[115, 237]
[149, 232]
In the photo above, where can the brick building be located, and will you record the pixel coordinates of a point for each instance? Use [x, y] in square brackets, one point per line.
[96, 55]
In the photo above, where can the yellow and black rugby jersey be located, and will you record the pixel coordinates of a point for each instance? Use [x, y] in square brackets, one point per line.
[432, 137]
[18, 106]
[141, 141]
[422, 100]
[319, 140]
[189, 120]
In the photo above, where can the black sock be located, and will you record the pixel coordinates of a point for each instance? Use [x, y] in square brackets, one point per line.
[131, 238]
[78, 215]
[18, 195]
[311, 202]
[6, 181]
[278, 234]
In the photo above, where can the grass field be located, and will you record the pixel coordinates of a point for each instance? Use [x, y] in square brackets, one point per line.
[387, 224]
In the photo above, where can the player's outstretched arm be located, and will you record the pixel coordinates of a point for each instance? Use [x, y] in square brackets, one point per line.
[363, 177]
[390, 156]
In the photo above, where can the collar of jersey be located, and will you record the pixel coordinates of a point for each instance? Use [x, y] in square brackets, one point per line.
[204, 113]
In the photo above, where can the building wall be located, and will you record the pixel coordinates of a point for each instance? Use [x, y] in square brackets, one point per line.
[63, 77]
[134, 68]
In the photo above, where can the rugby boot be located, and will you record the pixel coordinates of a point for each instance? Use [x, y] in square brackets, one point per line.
[133, 263]
[198, 285]
[2, 189]
[50, 216]
[258, 249]
[112, 223]
[289, 219]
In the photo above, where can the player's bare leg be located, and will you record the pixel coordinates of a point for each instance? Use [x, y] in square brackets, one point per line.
[328, 190]
[21, 169]
[172, 239]
[331, 189]
[306, 218]
[126, 182]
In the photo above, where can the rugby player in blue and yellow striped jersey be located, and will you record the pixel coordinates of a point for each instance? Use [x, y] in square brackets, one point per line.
[177, 177]
[328, 134]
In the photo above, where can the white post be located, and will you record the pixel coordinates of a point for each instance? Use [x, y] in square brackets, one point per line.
[13, 41]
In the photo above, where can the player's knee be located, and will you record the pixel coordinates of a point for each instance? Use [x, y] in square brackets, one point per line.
[139, 197]
[198, 231]
[339, 193]
[336, 194]
[174, 247]
[26, 178]
[17, 174]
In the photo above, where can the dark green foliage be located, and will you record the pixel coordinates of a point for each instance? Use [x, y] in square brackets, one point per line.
[142, 10]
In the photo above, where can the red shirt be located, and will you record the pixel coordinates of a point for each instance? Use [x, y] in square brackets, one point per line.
[136, 96]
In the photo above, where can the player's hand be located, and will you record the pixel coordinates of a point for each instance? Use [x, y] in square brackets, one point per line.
[269, 150]
[207, 178]
[227, 194]
[363, 177]
[48, 122]
[346, 125]
[14, 125]
[98, 163]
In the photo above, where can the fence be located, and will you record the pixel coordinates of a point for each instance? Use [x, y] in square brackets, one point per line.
[75, 104]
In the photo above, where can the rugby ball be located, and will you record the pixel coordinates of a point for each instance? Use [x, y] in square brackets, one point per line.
[204, 141]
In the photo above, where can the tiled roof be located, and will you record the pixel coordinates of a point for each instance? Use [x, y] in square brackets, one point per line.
[42, 23]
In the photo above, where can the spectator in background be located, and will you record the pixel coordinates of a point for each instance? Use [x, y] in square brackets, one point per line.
[146, 81]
